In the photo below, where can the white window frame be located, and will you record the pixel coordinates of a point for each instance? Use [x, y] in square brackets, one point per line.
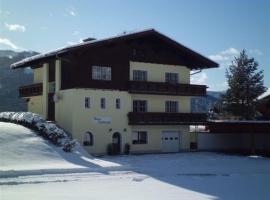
[136, 137]
[118, 103]
[140, 107]
[172, 106]
[87, 102]
[101, 73]
[140, 75]
[103, 103]
[171, 77]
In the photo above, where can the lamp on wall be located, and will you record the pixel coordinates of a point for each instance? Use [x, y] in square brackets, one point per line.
[110, 129]
[125, 130]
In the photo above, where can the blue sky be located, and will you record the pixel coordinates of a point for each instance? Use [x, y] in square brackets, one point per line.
[216, 29]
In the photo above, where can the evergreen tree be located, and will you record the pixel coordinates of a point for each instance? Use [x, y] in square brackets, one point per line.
[245, 84]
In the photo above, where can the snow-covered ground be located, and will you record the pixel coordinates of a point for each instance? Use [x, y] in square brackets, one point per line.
[31, 168]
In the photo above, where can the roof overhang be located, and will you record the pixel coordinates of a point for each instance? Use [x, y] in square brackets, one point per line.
[37, 59]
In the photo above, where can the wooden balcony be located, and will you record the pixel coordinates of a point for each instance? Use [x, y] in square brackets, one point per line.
[162, 118]
[30, 90]
[161, 88]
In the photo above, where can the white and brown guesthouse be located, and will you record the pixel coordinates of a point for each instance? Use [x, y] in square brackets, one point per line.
[130, 89]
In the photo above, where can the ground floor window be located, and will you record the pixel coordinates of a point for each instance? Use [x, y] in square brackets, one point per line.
[88, 139]
[139, 137]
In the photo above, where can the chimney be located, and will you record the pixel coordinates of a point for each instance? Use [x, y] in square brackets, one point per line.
[88, 39]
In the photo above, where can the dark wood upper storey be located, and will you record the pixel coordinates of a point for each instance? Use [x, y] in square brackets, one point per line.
[146, 46]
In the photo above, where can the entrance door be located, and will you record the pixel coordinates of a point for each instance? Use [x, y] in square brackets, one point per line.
[170, 141]
[116, 140]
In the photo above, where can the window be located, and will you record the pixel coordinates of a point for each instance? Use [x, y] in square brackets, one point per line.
[101, 73]
[117, 103]
[139, 106]
[88, 139]
[171, 77]
[103, 103]
[171, 106]
[139, 75]
[139, 137]
[87, 102]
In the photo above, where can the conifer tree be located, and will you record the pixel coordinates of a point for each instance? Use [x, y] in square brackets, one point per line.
[245, 84]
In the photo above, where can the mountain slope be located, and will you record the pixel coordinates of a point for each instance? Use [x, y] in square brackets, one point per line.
[204, 104]
[10, 80]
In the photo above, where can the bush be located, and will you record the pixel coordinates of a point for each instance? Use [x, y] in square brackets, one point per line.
[47, 130]
[69, 146]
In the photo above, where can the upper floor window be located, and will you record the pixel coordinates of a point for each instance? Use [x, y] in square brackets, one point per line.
[171, 106]
[139, 106]
[171, 77]
[101, 73]
[87, 102]
[117, 103]
[102, 103]
[139, 75]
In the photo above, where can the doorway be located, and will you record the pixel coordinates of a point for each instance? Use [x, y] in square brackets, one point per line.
[116, 141]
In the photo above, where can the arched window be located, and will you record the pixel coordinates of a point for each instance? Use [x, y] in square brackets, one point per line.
[88, 139]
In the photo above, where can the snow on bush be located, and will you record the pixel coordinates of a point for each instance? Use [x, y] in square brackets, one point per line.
[47, 130]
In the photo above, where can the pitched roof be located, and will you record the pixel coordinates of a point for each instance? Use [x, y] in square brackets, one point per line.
[205, 62]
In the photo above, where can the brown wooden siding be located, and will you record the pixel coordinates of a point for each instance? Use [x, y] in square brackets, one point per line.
[160, 88]
[238, 127]
[162, 118]
[77, 71]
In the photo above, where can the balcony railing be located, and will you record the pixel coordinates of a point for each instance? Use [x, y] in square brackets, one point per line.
[161, 88]
[30, 90]
[159, 118]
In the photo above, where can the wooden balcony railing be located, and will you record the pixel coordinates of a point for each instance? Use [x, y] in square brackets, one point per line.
[30, 90]
[159, 118]
[160, 88]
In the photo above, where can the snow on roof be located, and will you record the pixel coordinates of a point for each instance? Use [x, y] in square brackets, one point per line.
[124, 34]
[70, 47]
[267, 93]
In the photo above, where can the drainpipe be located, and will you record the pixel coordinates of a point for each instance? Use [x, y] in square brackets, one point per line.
[196, 72]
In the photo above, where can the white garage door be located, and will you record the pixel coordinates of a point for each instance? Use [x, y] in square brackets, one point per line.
[170, 141]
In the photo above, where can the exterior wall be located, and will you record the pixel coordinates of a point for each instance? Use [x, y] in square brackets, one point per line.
[229, 142]
[35, 105]
[154, 134]
[38, 75]
[71, 114]
[77, 119]
[64, 114]
[156, 103]
[45, 89]
[156, 72]
[71, 106]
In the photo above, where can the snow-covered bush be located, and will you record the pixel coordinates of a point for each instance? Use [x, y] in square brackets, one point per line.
[47, 130]
[69, 145]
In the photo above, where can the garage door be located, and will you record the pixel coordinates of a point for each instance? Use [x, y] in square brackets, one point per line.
[170, 141]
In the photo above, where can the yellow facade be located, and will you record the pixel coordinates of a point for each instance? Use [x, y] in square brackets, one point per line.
[35, 105]
[156, 103]
[154, 134]
[71, 114]
[38, 75]
[156, 72]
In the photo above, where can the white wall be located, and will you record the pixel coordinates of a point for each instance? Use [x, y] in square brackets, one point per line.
[210, 141]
